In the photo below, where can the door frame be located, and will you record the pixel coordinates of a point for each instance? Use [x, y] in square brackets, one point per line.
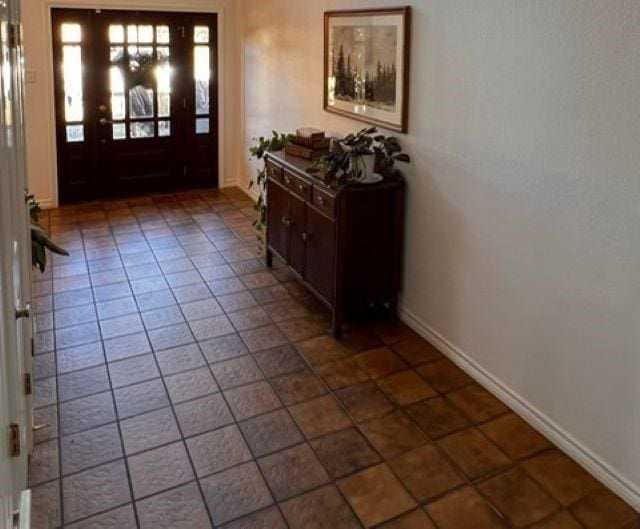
[15, 283]
[189, 6]
[101, 167]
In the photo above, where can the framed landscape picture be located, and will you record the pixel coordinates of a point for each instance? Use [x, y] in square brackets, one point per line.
[366, 65]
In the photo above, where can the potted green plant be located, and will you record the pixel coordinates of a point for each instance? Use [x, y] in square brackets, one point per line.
[262, 145]
[355, 157]
[40, 239]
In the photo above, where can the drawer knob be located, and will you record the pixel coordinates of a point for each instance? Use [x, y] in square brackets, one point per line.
[305, 236]
[286, 221]
[321, 201]
[300, 187]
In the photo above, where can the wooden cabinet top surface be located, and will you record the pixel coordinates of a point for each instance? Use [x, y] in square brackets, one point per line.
[300, 167]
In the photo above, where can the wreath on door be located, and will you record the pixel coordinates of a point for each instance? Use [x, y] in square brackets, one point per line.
[141, 68]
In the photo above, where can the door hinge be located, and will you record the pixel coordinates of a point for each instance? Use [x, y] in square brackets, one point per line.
[182, 31]
[33, 347]
[14, 35]
[184, 103]
[184, 170]
[28, 389]
[14, 441]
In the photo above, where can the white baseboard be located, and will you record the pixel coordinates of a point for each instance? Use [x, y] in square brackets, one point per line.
[228, 183]
[251, 192]
[626, 489]
[46, 203]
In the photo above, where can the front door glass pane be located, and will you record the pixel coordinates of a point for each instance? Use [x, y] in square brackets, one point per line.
[132, 34]
[116, 34]
[71, 32]
[162, 34]
[117, 93]
[140, 102]
[163, 80]
[201, 34]
[119, 131]
[116, 55]
[140, 81]
[72, 73]
[202, 126]
[145, 34]
[164, 128]
[75, 133]
[202, 75]
[143, 129]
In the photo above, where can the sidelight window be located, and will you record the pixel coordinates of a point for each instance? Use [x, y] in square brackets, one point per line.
[202, 74]
[71, 36]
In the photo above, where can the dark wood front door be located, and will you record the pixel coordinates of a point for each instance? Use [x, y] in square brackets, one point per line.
[136, 102]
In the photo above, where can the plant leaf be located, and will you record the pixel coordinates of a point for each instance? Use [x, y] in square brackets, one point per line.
[402, 157]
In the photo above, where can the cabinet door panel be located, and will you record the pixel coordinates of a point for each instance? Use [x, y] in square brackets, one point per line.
[320, 253]
[298, 227]
[277, 215]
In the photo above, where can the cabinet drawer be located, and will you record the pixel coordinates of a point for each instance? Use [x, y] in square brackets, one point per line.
[296, 185]
[273, 171]
[324, 201]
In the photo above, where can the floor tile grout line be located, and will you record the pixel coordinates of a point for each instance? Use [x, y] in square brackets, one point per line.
[399, 407]
[236, 424]
[434, 442]
[385, 461]
[97, 513]
[356, 425]
[171, 404]
[306, 441]
[402, 408]
[115, 411]
[205, 365]
[328, 390]
[58, 420]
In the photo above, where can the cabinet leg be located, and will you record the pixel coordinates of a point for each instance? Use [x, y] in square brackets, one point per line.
[269, 258]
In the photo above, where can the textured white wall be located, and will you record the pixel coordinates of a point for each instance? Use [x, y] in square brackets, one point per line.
[523, 205]
[40, 117]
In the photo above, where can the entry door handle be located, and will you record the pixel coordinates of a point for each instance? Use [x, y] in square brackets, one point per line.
[105, 121]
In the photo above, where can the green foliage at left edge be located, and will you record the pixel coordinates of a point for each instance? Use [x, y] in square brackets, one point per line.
[40, 239]
[262, 145]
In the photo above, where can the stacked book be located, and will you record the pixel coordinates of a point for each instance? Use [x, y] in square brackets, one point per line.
[308, 143]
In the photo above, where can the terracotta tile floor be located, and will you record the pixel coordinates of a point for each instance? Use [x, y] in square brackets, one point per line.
[184, 385]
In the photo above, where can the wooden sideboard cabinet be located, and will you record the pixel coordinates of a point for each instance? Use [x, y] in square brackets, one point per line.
[344, 244]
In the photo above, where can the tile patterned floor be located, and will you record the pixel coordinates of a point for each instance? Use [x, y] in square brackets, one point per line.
[184, 385]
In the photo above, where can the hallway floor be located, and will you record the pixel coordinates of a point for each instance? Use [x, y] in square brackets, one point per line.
[181, 384]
